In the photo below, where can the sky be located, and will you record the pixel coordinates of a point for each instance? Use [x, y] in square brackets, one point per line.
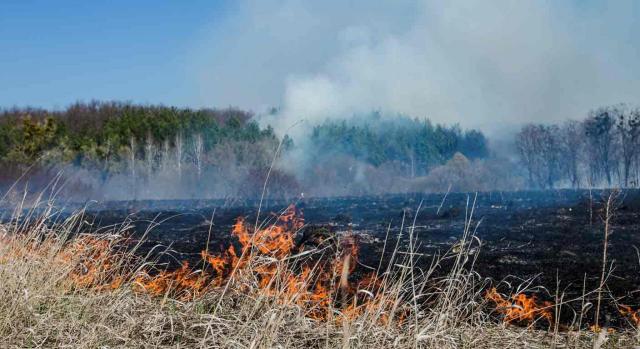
[56, 52]
[481, 64]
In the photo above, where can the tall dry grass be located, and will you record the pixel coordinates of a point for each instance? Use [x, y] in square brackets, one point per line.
[64, 284]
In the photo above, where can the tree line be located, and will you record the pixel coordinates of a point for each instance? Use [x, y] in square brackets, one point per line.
[104, 134]
[142, 149]
[416, 145]
[141, 143]
[603, 149]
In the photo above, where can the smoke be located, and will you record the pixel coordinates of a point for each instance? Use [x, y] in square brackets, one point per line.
[489, 65]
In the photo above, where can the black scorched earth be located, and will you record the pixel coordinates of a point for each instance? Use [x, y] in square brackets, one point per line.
[551, 241]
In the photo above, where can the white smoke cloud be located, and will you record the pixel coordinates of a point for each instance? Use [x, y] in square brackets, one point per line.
[481, 64]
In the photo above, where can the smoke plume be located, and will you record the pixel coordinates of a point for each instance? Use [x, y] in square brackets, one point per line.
[489, 65]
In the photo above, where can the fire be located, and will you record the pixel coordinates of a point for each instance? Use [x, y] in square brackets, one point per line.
[521, 308]
[182, 283]
[223, 264]
[92, 262]
[95, 263]
[324, 287]
[276, 241]
[633, 315]
[317, 287]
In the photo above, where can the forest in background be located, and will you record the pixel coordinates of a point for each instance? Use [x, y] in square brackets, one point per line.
[113, 150]
[116, 150]
[601, 150]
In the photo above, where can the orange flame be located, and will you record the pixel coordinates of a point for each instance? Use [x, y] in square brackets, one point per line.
[521, 308]
[95, 263]
[320, 288]
[633, 315]
[92, 263]
[314, 290]
[223, 265]
[275, 241]
[183, 283]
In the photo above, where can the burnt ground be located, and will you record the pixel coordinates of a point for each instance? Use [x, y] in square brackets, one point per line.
[553, 237]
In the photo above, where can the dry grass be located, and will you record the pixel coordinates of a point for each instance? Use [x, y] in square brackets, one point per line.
[48, 300]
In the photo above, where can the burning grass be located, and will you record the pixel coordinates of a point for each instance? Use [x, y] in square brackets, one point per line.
[632, 314]
[521, 309]
[63, 288]
[317, 286]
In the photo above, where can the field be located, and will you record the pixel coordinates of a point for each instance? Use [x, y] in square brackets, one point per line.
[392, 271]
[541, 237]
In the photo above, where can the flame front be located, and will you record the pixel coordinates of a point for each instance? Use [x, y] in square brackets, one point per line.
[95, 263]
[316, 288]
[521, 308]
[90, 262]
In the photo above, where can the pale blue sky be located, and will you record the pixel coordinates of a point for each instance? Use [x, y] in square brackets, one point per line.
[55, 52]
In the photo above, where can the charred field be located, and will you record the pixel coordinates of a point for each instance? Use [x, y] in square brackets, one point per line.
[546, 243]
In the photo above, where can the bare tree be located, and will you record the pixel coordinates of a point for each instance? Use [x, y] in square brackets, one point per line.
[178, 144]
[599, 129]
[628, 125]
[166, 151]
[551, 154]
[539, 150]
[526, 144]
[132, 163]
[149, 154]
[572, 147]
[198, 150]
[132, 155]
[605, 146]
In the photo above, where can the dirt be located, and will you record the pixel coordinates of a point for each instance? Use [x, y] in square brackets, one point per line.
[553, 238]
